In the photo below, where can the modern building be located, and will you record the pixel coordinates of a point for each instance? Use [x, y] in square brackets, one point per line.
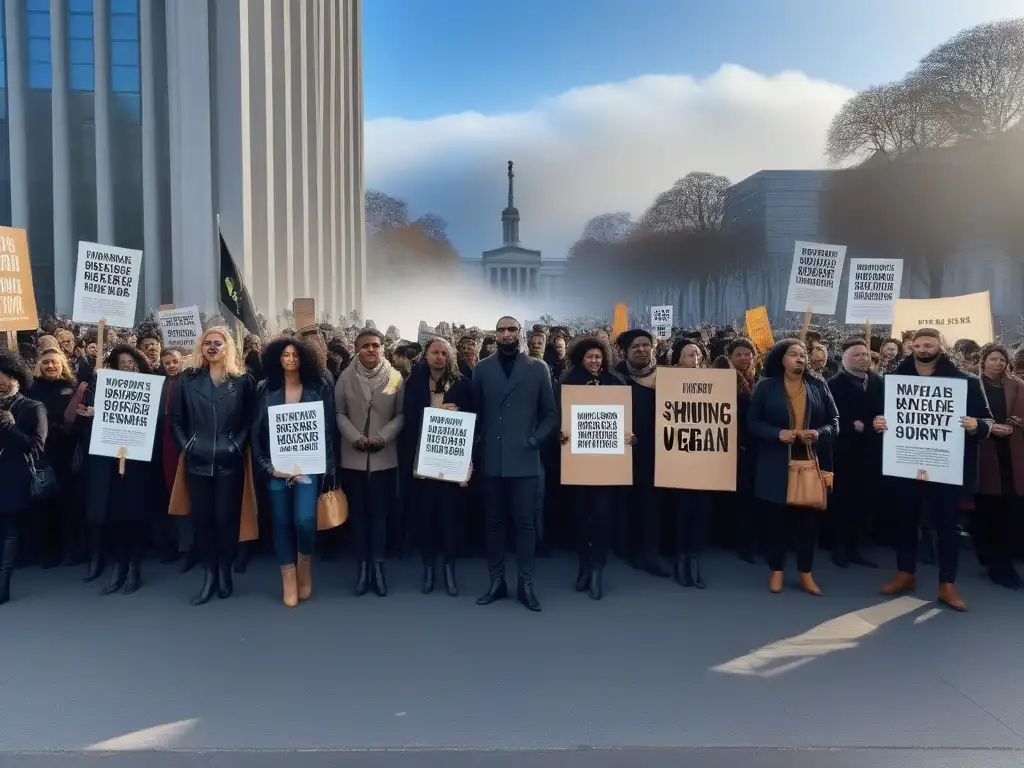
[514, 270]
[138, 122]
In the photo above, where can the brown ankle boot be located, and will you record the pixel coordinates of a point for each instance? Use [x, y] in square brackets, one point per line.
[806, 582]
[304, 576]
[291, 595]
[775, 582]
[949, 596]
[904, 582]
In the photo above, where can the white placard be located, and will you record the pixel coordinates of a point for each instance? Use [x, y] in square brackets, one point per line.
[180, 327]
[597, 429]
[446, 445]
[874, 286]
[297, 438]
[814, 281]
[106, 284]
[126, 409]
[661, 321]
[924, 435]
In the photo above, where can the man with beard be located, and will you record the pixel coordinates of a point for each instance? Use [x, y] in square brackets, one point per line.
[516, 414]
[646, 502]
[859, 394]
[928, 358]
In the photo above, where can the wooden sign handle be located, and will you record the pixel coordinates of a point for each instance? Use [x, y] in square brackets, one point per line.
[240, 334]
[12, 341]
[806, 326]
[122, 458]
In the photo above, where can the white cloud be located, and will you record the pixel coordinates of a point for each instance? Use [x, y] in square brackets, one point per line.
[598, 149]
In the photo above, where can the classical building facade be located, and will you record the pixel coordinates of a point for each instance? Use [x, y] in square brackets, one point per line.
[139, 122]
[514, 270]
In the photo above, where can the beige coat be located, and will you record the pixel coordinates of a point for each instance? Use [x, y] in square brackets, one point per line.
[385, 419]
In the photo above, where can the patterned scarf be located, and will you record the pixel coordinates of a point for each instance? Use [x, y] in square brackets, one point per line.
[382, 376]
[641, 373]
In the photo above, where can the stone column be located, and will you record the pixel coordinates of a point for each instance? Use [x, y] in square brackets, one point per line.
[152, 210]
[63, 221]
[101, 107]
[17, 112]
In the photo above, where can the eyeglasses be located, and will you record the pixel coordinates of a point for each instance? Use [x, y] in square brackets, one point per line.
[213, 344]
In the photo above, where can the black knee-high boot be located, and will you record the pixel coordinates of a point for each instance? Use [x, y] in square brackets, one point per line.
[8, 554]
[95, 553]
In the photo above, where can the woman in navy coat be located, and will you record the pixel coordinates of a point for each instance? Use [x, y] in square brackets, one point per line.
[792, 414]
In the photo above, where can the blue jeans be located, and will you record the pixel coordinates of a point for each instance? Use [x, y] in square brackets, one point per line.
[294, 513]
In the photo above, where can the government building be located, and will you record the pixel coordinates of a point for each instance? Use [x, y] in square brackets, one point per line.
[513, 270]
[138, 123]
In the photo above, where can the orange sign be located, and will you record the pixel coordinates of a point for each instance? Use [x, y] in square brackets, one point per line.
[17, 296]
[759, 329]
[620, 324]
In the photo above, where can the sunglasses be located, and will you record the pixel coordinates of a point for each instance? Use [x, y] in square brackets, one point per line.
[213, 344]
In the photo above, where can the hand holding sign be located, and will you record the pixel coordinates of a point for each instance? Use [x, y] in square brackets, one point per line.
[879, 424]
[969, 423]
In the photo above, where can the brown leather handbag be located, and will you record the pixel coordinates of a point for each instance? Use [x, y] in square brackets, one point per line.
[808, 486]
[331, 510]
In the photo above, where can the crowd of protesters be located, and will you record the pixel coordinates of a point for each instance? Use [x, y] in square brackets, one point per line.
[817, 393]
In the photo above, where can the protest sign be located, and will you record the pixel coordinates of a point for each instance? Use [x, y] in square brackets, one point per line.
[17, 296]
[814, 279]
[297, 438]
[661, 321]
[125, 413]
[180, 327]
[446, 445]
[106, 284]
[695, 429]
[924, 439]
[955, 317]
[620, 320]
[759, 329]
[596, 421]
[874, 286]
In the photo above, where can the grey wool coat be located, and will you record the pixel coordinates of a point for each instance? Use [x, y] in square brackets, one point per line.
[515, 415]
[358, 417]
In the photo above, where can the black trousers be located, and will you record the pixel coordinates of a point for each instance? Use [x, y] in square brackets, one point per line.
[437, 505]
[61, 522]
[693, 521]
[646, 504]
[8, 541]
[783, 523]
[996, 530]
[942, 510]
[216, 515]
[514, 497]
[371, 496]
[126, 540]
[593, 507]
[851, 508]
[747, 515]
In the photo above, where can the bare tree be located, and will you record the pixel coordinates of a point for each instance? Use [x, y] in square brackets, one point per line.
[975, 80]
[433, 227]
[695, 203]
[887, 120]
[384, 212]
[608, 227]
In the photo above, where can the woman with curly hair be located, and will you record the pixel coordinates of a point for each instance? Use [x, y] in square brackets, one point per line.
[22, 437]
[593, 506]
[292, 375]
[792, 416]
[120, 505]
[211, 418]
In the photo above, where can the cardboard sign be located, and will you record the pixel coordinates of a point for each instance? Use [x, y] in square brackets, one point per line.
[17, 295]
[955, 317]
[298, 438]
[814, 279]
[181, 328]
[924, 439]
[661, 321]
[874, 286]
[107, 284]
[126, 409]
[759, 329]
[596, 421]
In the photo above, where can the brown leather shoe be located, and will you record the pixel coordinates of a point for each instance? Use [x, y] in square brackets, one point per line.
[904, 582]
[806, 582]
[950, 597]
[304, 576]
[775, 582]
[288, 584]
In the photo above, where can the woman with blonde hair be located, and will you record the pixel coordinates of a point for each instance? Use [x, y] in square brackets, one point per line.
[211, 420]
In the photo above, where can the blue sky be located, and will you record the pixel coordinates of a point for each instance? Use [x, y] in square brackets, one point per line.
[424, 58]
[604, 103]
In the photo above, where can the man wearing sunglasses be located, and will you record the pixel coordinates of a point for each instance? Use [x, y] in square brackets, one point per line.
[516, 413]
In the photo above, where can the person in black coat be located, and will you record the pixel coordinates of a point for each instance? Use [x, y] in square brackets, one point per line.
[792, 416]
[211, 418]
[928, 358]
[293, 376]
[640, 529]
[859, 394]
[592, 506]
[23, 429]
[742, 356]
[435, 382]
[121, 505]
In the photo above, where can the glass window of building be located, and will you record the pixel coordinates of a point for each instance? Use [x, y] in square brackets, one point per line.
[80, 52]
[38, 23]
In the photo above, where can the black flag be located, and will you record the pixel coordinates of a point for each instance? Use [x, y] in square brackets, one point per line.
[233, 293]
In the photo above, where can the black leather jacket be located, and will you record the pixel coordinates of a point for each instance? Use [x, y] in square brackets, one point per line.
[261, 431]
[211, 424]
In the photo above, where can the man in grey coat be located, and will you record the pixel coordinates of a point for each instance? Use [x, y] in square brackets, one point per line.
[516, 412]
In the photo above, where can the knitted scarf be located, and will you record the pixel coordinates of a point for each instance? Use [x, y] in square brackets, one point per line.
[380, 377]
